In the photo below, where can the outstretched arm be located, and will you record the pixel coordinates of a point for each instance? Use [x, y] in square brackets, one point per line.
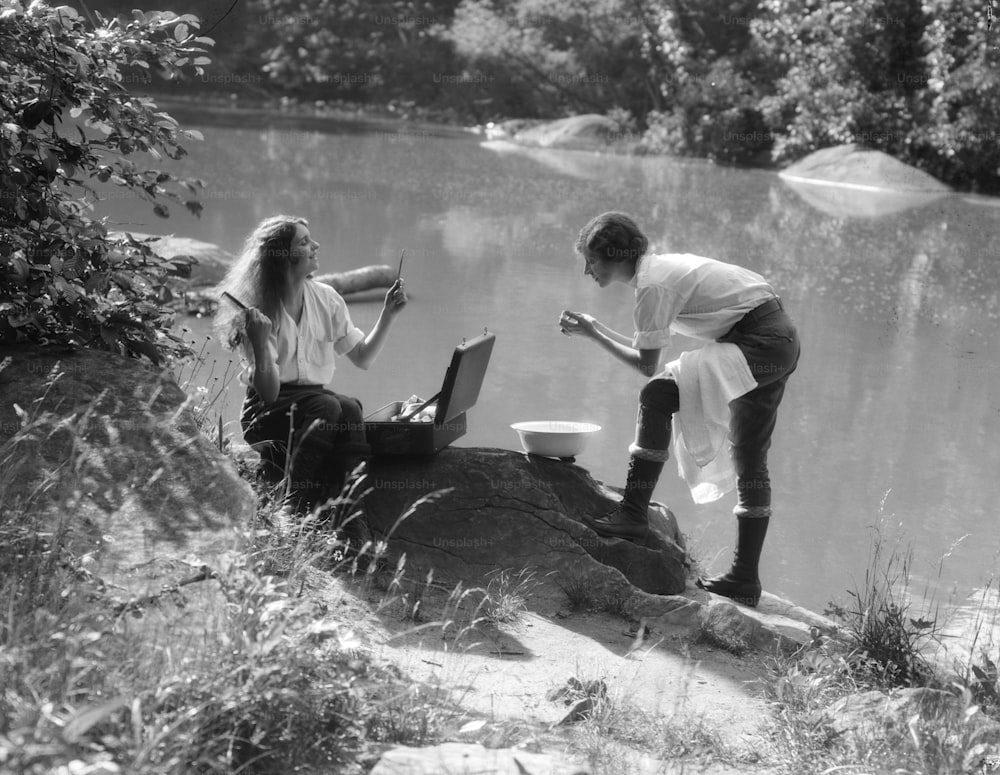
[646, 362]
[612, 334]
[367, 350]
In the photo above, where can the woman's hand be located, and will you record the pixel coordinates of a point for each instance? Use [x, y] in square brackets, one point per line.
[367, 350]
[258, 327]
[577, 324]
[265, 378]
[395, 298]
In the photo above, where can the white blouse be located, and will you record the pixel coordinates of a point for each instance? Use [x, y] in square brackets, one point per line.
[692, 295]
[305, 352]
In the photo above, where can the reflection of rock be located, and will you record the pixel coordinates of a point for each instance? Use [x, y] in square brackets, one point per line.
[911, 290]
[587, 132]
[848, 181]
[844, 200]
[982, 201]
[585, 166]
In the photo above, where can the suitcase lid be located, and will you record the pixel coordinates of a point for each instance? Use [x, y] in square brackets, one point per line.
[464, 377]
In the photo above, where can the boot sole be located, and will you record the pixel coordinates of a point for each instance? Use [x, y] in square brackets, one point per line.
[750, 600]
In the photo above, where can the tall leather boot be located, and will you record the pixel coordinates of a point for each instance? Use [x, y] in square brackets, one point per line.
[742, 582]
[630, 519]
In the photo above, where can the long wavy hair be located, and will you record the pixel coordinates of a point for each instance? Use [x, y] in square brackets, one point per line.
[258, 278]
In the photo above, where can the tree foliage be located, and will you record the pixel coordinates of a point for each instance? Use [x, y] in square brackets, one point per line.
[752, 81]
[547, 57]
[381, 50]
[958, 137]
[69, 128]
[848, 72]
[711, 83]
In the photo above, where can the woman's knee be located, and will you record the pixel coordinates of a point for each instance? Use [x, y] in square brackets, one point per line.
[327, 412]
[661, 395]
[352, 408]
[753, 491]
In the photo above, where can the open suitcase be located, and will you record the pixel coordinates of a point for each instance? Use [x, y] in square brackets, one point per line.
[459, 393]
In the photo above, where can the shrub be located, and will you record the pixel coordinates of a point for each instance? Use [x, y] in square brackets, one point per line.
[67, 123]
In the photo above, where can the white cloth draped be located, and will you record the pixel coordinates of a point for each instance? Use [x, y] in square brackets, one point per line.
[707, 379]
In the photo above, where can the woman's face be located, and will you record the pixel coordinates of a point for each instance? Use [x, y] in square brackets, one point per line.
[302, 253]
[605, 271]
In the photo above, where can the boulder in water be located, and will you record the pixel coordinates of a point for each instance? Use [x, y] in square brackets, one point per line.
[851, 181]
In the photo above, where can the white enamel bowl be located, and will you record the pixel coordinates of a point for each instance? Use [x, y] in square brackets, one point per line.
[555, 438]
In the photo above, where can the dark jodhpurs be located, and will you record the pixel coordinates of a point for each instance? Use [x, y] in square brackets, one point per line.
[318, 424]
[771, 347]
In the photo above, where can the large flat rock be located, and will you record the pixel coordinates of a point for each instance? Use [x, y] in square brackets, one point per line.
[497, 508]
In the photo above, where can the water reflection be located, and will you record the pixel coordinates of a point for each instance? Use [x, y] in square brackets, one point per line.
[844, 201]
[898, 389]
[971, 630]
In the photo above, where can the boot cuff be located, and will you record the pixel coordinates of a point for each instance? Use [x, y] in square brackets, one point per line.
[657, 455]
[752, 512]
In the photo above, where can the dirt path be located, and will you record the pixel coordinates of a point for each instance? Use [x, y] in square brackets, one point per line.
[504, 676]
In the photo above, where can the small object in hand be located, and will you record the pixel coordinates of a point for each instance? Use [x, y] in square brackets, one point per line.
[399, 272]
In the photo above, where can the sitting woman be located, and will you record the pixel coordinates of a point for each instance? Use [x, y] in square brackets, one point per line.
[289, 334]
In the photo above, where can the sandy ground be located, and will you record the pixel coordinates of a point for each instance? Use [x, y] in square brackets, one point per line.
[500, 680]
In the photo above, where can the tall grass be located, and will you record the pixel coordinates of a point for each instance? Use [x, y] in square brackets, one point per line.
[953, 729]
[235, 668]
[889, 640]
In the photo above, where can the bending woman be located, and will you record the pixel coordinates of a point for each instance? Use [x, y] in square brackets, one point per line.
[289, 338]
[730, 388]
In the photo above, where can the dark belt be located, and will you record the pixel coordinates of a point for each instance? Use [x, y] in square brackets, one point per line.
[750, 319]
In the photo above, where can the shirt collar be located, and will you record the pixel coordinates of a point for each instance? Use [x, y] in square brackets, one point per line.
[640, 266]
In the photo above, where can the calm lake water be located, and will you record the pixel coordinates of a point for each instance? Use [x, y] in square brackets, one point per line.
[891, 420]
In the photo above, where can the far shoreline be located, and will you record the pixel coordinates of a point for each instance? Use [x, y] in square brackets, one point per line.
[231, 110]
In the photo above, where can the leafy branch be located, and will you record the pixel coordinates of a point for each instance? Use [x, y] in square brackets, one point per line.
[69, 127]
